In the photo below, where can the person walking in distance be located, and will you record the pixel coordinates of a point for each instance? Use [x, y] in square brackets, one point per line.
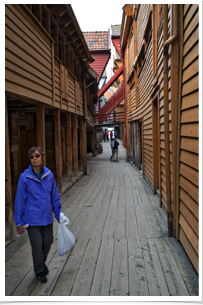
[107, 136]
[36, 198]
[112, 148]
[104, 135]
[115, 151]
[111, 135]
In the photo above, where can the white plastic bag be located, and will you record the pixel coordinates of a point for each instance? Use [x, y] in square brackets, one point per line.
[66, 239]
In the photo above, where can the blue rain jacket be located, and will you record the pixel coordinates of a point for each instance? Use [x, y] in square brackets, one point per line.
[36, 199]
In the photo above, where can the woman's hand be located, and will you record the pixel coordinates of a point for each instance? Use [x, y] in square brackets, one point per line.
[20, 230]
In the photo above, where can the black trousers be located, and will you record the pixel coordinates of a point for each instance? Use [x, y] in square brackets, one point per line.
[41, 239]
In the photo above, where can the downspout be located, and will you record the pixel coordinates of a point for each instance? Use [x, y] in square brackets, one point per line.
[167, 42]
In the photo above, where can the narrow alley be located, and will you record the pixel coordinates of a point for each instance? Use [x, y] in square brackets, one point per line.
[122, 248]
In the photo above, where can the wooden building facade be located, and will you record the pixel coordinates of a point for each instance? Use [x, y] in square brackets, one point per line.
[161, 56]
[50, 91]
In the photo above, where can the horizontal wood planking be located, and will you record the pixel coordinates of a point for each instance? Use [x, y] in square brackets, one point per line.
[189, 143]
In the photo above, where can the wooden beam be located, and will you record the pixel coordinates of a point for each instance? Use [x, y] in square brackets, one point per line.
[38, 12]
[56, 39]
[81, 144]
[63, 51]
[93, 138]
[72, 62]
[68, 57]
[8, 190]
[75, 145]
[41, 128]
[57, 136]
[69, 147]
[53, 74]
[85, 147]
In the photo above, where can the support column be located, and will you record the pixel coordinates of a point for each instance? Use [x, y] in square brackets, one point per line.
[81, 144]
[85, 147]
[63, 51]
[69, 147]
[93, 138]
[41, 128]
[56, 39]
[8, 190]
[48, 23]
[57, 135]
[75, 145]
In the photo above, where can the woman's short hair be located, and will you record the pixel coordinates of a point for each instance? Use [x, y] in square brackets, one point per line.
[33, 149]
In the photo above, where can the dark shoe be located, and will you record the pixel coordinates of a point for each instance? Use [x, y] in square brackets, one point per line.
[117, 161]
[46, 270]
[41, 277]
[114, 161]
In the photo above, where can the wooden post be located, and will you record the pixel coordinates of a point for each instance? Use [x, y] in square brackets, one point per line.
[63, 51]
[174, 114]
[67, 57]
[127, 137]
[155, 146]
[72, 61]
[75, 145]
[57, 134]
[85, 146]
[56, 39]
[38, 12]
[8, 190]
[53, 75]
[41, 128]
[81, 144]
[69, 147]
[93, 138]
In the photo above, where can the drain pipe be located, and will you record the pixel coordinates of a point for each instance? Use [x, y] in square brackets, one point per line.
[167, 42]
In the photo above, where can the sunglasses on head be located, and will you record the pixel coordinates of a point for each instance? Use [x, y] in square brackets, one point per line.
[36, 156]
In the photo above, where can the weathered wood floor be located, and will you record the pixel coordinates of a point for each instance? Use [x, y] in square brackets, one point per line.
[122, 247]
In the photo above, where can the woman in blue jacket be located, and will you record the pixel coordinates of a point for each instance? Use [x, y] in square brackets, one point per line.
[36, 198]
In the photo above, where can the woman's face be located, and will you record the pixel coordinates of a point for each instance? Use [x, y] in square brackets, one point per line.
[36, 159]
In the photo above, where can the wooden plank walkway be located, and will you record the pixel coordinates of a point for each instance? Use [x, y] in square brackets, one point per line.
[122, 248]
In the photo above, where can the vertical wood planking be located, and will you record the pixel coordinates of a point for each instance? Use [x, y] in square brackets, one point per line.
[69, 147]
[41, 128]
[75, 144]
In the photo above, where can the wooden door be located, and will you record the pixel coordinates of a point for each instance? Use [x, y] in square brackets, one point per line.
[156, 147]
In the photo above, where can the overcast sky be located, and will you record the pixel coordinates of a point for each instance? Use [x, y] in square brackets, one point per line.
[97, 15]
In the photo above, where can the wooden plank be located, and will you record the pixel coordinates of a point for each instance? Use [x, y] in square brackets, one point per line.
[189, 250]
[119, 278]
[102, 276]
[190, 115]
[156, 281]
[99, 223]
[82, 285]
[190, 101]
[190, 188]
[190, 159]
[120, 223]
[81, 144]
[194, 53]
[192, 237]
[190, 145]
[189, 10]
[190, 218]
[131, 223]
[191, 71]
[143, 228]
[152, 222]
[175, 283]
[107, 197]
[69, 147]
[188, 273]
[108, 231]
[190, 130]
[191, 204]
[55, 268]
[137, 273]
[80, 220]
[67, 278]
[88, 224]
[189, 173]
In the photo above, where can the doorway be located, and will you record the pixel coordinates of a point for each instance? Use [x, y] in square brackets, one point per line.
[156, 146]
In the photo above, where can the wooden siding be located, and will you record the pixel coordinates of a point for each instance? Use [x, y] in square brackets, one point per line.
[189, 136]
[27, 58]
[29, 63]
[143, 16]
